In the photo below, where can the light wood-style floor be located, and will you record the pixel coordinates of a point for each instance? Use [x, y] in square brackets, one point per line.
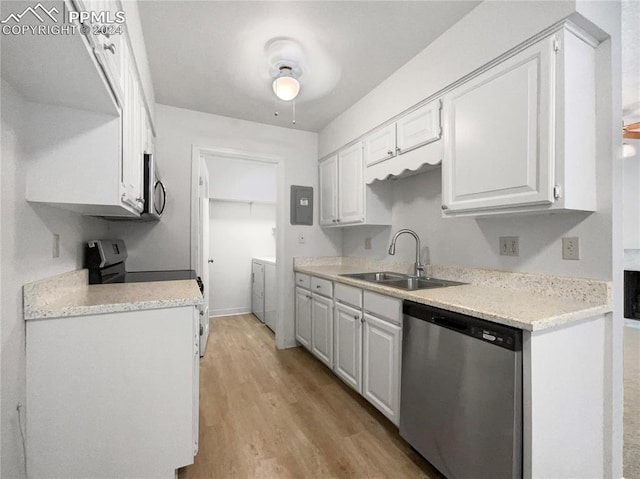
[266, 413]
[631, 459]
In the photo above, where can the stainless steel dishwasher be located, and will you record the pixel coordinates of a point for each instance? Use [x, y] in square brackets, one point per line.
[461, 393]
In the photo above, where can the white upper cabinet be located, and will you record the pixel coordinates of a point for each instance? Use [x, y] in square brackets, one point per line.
[520, 136]
[328, 179]
[98, 170]
[351, 185]
[90, 111]
[380, 145]
[407, 145]
[418, 127]
[133, 144]
[344, 197]
[108, 42]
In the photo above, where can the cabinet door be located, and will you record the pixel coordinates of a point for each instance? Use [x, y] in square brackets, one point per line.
[303, 317]
[322, 328]
[328, 179]
[348, 354]
[257, 290]
[380, 145]
[196, 378]
[109, 44]
[351, 185]
[498, 129]
[381, 366]
[132, 139]
[419, 127]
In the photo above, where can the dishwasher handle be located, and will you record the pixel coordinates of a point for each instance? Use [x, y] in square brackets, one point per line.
[450, 323]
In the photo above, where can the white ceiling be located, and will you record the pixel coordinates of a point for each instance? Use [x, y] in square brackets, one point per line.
[211, 56]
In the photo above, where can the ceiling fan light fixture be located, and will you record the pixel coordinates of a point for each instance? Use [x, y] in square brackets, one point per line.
[286, 86]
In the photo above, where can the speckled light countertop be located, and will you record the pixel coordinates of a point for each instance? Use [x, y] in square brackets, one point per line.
[527, 301]
[69, 294]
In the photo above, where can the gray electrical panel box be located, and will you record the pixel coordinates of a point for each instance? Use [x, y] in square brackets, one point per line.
[301, 205]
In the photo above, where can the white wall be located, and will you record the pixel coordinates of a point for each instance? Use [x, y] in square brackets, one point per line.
[474, 242]
[239, 232]
[465, 241]
[166, 245]
[243, 180]
[27, 234]
[631, 198]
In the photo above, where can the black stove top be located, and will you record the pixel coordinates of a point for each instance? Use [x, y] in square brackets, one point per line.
[105, 260]
[170, 275]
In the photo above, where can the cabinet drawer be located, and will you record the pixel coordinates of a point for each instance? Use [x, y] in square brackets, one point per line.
[303, 280]
[348, 295]
[322, 286]
[383, 306]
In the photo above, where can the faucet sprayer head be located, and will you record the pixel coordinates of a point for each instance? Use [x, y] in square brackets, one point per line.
[392, 248]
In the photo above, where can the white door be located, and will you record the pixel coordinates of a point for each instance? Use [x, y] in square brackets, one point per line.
[322, 328]
[380, 145]
[419, 127]
[202, 265]
[498, 135]
[303, 317]
[257, 290]
[197, 352]
[328, 179]
[351, 185]
[381, 358]
[348, 343]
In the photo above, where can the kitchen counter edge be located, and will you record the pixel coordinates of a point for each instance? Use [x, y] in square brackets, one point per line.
[69, 295]
[568, 311]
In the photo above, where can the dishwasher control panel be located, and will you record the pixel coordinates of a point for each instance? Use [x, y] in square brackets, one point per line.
[494, 333]
[492, 336]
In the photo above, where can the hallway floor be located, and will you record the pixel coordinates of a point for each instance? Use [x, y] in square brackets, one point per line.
[631, 457]
[266, 413]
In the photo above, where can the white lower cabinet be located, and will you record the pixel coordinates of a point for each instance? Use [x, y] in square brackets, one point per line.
[381, 356]
[359, 337]
[348, 345]
[303, 317]
[113, 395]
[322, 328]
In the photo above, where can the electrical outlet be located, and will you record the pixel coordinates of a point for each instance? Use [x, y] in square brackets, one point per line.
[571, 248]
[55, 249]
[367, 243]
[509, 246]
[301, 238]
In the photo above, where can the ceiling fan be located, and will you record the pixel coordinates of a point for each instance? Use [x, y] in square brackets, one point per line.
[631, 131]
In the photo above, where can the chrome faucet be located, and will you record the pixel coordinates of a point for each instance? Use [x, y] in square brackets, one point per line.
[419, 267]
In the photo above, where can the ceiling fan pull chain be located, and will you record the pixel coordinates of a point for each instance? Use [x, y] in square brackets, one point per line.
[294, 112]
[276, 102]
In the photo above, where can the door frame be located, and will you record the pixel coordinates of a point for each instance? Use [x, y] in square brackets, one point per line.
[281, 214]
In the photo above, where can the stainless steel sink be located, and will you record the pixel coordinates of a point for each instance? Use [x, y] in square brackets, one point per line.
[401, 281]
[420, 283]
[380, 277]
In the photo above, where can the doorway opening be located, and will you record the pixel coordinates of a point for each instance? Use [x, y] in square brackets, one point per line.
[237, 235]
